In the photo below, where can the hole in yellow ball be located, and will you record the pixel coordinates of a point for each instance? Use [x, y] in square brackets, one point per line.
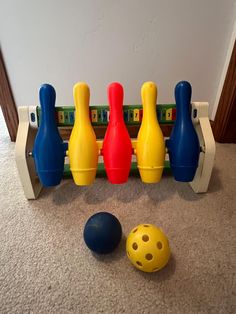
[149, 256]
[146, 226]
[159, 245]
[139, 263]
[135, 246]
[135, 230]
[145, 237]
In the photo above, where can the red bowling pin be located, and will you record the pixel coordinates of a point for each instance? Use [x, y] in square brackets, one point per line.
[117, 148]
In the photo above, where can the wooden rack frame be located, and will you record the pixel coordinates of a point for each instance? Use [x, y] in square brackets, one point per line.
[27, 132]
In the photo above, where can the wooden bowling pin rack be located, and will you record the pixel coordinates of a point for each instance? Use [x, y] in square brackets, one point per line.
[29, 122]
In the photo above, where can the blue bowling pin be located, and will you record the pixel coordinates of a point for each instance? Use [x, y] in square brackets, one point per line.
[183, 145]
[49, 150]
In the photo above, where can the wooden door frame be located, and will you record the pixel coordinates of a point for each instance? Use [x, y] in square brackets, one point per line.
[7, 102]
[224, 128]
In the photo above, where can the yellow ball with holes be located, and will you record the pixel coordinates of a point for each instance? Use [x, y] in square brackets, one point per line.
[147, 248]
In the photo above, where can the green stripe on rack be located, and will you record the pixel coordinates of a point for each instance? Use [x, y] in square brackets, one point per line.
[166, 114]
[102, 173]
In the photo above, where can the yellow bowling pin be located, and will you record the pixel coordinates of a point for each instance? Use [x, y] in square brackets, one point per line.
[82, 147]
[150, 148]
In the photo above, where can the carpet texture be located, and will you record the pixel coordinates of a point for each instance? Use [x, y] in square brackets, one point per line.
[45, 266]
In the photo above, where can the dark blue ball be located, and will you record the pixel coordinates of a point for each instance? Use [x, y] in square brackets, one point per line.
[102, 233]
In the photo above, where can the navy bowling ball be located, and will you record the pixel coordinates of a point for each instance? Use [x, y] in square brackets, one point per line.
[102, 233]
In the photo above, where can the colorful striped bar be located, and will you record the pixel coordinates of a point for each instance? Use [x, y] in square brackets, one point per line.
[166, 114]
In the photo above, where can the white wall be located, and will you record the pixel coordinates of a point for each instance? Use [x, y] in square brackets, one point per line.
[131, 41]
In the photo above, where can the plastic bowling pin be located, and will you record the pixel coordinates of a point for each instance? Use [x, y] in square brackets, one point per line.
[82, 149]
[117, 148]
[49, 150]
[183, 145]
[150, 149]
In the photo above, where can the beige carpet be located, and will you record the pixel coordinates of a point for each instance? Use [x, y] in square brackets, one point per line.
[46, 268]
